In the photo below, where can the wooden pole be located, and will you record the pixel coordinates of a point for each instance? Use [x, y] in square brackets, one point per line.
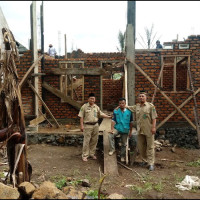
[35, 55]
[130, 51]
[65, 46]
[158, 81]
[42, 33]
[43, 103]
[26, 76]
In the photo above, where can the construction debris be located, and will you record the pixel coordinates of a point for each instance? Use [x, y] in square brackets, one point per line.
[158, 144]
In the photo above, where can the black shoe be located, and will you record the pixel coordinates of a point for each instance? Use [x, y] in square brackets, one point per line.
[151, 167]
[143, 164]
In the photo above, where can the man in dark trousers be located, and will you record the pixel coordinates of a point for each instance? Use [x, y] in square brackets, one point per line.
[122, 123]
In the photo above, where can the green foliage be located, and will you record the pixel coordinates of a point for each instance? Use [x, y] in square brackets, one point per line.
[117, 76]
[148, 41]
[194, 163]
[158, 187]
[121, 39]
[1, 175]
[94, 194]
[140, 190]
[61, 183]
[75, 183]
[178, 178]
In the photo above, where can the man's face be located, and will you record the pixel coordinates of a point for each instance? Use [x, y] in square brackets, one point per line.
[91, 100]
[142, 98]
[122, 104]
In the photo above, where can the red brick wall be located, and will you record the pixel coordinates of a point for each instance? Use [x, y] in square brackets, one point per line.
[112, 91]
[149, 61]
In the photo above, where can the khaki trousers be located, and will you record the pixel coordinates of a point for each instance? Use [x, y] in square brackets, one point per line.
[91, 133]
[146, 148]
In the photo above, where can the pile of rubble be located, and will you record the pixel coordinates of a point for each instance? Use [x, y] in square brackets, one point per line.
[160, 143]
[48, 190]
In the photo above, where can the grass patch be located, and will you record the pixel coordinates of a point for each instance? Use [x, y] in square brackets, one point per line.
[194, 163]
[142, 189]
[94, 194]
[158, 187]
[61, 183]
[75, 183]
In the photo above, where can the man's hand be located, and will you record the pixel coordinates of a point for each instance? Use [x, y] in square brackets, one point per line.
[110, 116]
[111, 131]
[82, 128]
[130, 134]
[117, 108]
[153, 130]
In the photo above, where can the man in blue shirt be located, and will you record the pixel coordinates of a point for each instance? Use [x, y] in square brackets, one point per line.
[122, 123]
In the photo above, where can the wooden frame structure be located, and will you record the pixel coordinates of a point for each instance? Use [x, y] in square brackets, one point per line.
[178, 59]
[101, 77]
[66, 81]
[169, 100]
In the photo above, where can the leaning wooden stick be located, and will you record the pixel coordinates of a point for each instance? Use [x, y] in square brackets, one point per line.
[129, 169]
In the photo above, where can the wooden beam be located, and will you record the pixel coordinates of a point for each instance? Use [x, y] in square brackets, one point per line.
[158, 81]
[59, 94]
[71, 61]
[166, 97]
[44, 104]
[174, 112]
[110, 162]
[28, 73]
[37, 120]
[45, 117]
[38, 74]
[79, 71]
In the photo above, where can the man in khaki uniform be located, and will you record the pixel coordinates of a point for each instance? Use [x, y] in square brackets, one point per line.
[89, 115]
[146, 127]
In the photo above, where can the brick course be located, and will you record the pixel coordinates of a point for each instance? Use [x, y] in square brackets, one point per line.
[148, 60]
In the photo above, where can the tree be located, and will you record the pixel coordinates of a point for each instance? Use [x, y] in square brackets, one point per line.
[150, 38]
[121, 40]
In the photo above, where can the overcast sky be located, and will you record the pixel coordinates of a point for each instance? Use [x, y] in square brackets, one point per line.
[93, 26]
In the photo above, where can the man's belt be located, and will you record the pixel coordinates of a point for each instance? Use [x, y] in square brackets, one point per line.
[91, 123]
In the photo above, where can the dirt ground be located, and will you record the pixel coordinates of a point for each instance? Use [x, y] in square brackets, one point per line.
[55, 162]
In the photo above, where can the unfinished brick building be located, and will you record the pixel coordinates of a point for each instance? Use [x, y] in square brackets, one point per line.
[173, 60]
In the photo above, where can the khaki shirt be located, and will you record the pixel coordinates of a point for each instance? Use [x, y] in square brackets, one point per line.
[90, 113]
[144, 117]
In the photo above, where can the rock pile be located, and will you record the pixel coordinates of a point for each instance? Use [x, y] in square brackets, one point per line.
[182, 137]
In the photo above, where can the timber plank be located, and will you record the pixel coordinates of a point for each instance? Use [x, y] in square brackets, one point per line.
[79, 71]
[110, 162]
[61, 95]
[37, 120]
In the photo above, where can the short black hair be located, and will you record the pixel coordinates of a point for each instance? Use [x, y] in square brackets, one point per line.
[143, 92]
[122, 99]
[91, 95]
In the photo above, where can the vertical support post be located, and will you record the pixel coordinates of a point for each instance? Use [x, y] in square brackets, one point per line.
[42, 33]
[101, 89]
[42, 49]
[130, 51]
[65, 46]
[35, 54]
[174, 85]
